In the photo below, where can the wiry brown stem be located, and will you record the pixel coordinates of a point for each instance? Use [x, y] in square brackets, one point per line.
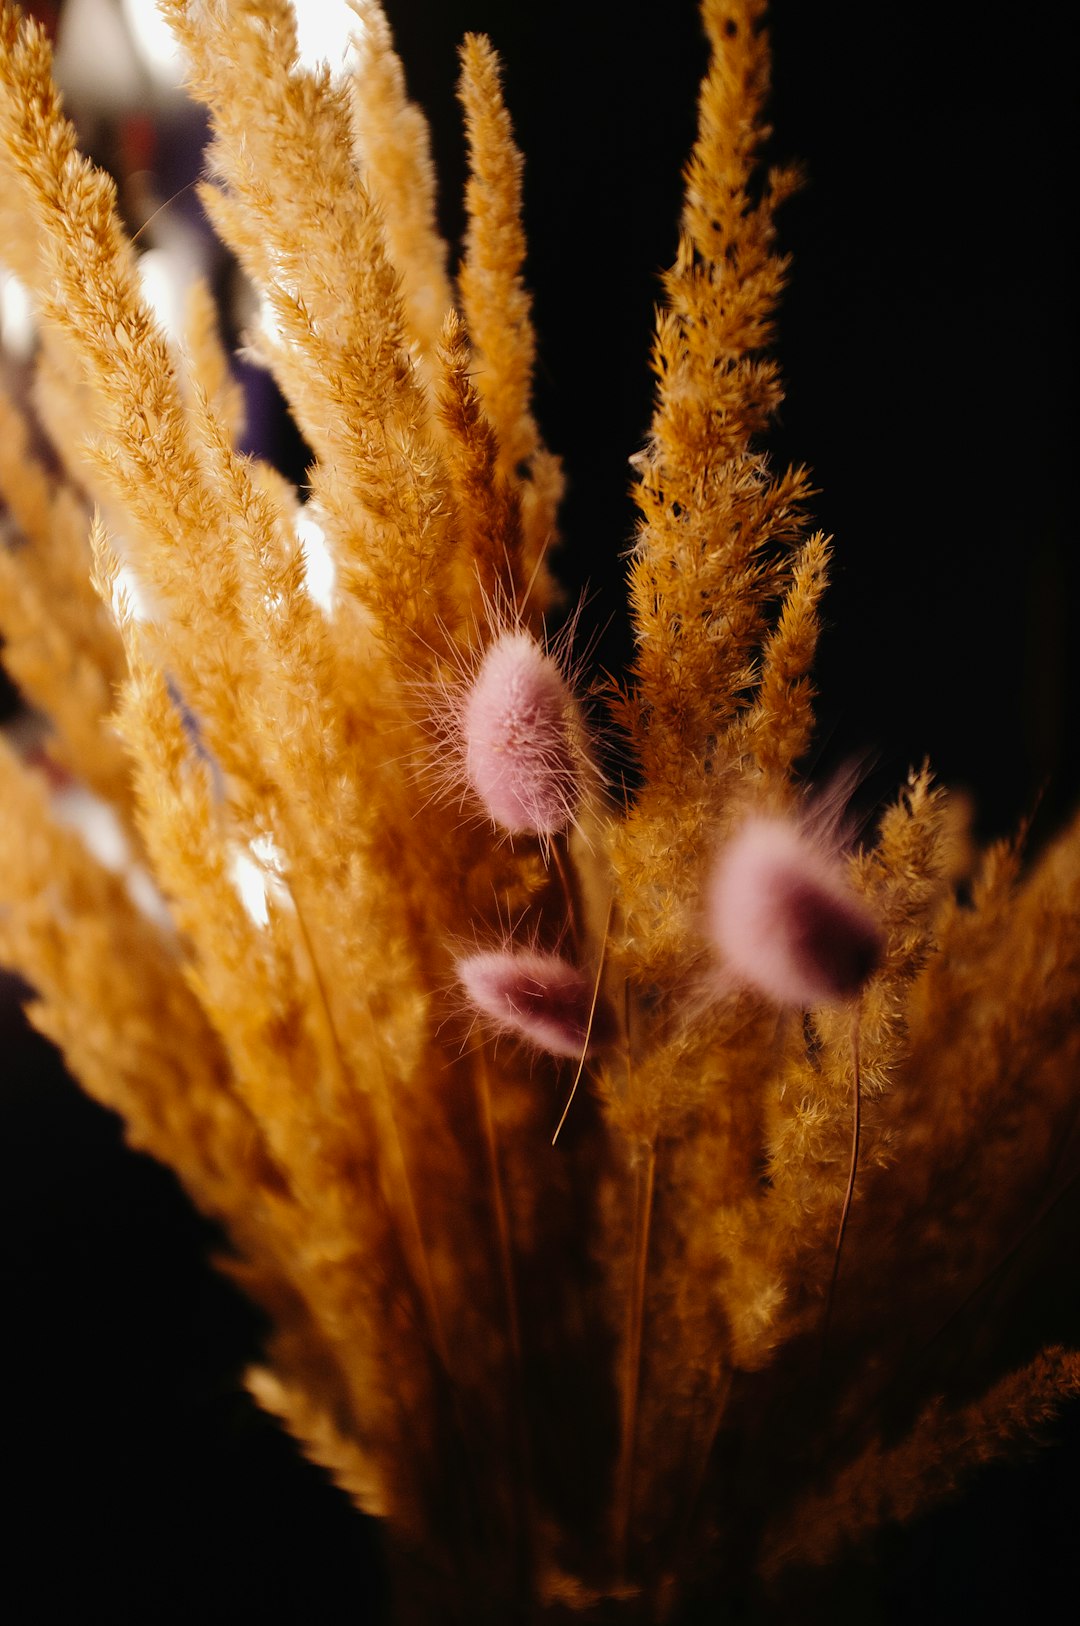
[644, 1187]
[856, 1116]
[333, 1049]
[420, 1260]
[588, 1029]
[524, 1491]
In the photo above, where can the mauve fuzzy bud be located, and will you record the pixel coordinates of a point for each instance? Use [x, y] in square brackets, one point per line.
[518, 722]
[782, 914]
[531, 995]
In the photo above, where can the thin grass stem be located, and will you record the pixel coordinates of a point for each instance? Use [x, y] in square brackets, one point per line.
[524, 1491]
[644, 1189]
[856, 1121]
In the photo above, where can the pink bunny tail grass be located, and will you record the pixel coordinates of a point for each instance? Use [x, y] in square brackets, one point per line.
[534, 996]
[782, 914]
[518, 726]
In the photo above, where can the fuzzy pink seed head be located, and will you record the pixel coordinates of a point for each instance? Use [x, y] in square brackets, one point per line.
[784, 918]
[517, 721]
[531, 995]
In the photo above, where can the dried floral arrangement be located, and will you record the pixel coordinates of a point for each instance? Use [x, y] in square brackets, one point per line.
[588, 1118]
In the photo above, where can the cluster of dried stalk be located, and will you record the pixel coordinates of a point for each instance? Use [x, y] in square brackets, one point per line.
[590, 1376]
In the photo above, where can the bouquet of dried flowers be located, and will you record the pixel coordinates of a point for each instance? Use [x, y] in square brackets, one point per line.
[587, 1115]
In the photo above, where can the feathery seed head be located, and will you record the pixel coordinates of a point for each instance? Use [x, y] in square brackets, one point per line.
[782, 914]
[531, 995]
[517, 722]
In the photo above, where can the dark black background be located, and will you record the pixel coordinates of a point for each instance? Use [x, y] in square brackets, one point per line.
[928, 341]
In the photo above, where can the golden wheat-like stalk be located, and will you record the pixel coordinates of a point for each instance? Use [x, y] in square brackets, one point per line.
[408, 920]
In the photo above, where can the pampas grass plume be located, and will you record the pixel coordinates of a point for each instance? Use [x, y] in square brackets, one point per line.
[520, 757]
[784, 918]
[531, 995]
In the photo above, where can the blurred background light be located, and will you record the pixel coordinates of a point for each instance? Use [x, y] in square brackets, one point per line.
[324, 31]
[319, 568]
[16, 317]
[153, 40]
[97, 65]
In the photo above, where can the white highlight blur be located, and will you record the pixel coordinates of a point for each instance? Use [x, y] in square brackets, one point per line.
[155, 43]
[320, 572]
[268, 321]
[255, 877]
[97, 66]
[147, 899]
[104, 837]
[16, 317]
[269, 854]
[250, 883]
[324, 32]
[129, 602]
[94, 820]
[161, 278]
